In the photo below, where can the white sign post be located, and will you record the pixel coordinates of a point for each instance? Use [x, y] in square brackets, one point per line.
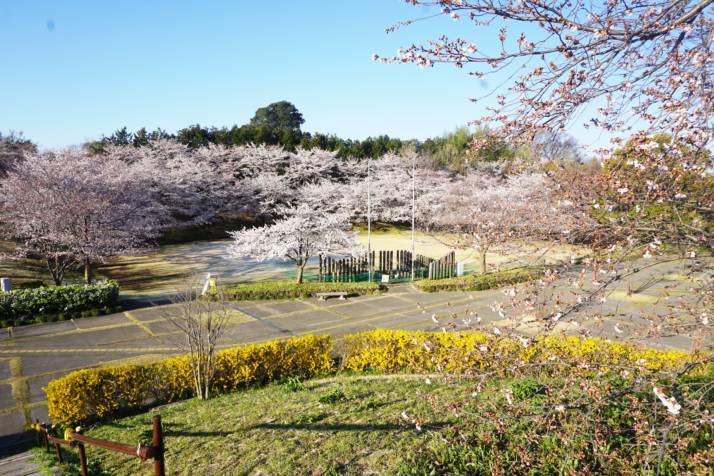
[206, 284]
[460, 268]
[5, 285]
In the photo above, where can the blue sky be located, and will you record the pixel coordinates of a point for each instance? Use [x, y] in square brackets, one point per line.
[74, 70]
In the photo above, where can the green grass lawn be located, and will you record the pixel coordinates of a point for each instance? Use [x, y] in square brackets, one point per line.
[384, 424]
[336, 425]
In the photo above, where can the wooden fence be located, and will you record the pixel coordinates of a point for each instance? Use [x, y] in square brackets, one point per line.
[154, 451]
[444, 267]
[390, 262]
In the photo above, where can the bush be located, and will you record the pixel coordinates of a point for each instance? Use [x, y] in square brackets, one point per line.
[289, 290]
[480, 282]
[58, 303]
[456, 352]
[103, 392]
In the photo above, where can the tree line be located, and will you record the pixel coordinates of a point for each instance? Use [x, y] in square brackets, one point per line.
[280, 124]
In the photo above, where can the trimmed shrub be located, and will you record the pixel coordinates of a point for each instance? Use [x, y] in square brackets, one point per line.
[480, 282]
[58, 303]
[290, 290]
[104, 392]
[456, 352]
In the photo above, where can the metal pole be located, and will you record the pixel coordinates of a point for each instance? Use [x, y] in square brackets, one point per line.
[369, 218]
[413, 207]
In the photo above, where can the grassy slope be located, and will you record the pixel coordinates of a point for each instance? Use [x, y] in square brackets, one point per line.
[356, 428]
[365, 424]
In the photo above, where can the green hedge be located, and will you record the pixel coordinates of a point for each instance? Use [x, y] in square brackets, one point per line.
[480, 282]
[289, 290]
[58, 303]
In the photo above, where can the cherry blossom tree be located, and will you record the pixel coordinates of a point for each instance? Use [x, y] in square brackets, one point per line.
[642, 61]
[202, 185]
[304, 232]
[620, 66]
[481, 210]
[391, 187]
[69, 207]
[198, 186]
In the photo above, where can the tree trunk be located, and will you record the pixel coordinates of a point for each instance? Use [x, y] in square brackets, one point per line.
[88, 275]
[55, 272]
[483, 260]
[301, 269]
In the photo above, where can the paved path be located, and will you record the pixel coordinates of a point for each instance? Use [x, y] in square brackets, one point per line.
[34, 355]
[19, 465]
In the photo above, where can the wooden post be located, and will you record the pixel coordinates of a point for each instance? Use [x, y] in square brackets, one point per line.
[82, 459]
[157, 442]
[59, 452]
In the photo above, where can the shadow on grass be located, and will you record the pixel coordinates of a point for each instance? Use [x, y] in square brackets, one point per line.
[312, 426]
[199, 434]
[347, 426]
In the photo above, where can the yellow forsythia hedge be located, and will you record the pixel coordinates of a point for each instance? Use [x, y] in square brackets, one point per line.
[391, 351]
[107, 391]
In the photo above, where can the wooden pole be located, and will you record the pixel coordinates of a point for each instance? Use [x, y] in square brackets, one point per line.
[157, 442]
[82, 459]
[59, 452]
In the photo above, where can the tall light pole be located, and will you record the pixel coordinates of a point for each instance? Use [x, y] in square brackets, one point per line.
[369, 219]
[413, 207]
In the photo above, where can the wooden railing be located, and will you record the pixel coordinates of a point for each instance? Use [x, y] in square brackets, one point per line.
[154, 451]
